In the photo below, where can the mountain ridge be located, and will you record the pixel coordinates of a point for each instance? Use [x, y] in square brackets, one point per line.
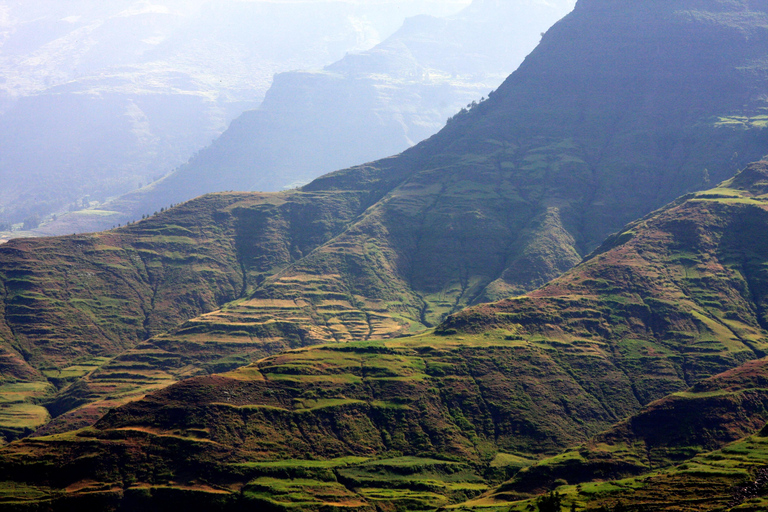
[514, 381]
[513, 192]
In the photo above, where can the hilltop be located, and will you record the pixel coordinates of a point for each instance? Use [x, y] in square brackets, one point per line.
[437, 418]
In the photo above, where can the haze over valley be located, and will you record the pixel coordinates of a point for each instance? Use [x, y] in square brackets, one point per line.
[97, 99]
[109, 101]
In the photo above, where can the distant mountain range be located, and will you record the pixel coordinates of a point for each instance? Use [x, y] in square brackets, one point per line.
[97, 99]
[366, 106]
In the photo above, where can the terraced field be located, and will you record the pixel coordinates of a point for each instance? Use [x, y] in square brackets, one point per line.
[584, 379]
[511, 194]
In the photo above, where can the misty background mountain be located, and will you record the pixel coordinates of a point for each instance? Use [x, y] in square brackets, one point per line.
[365, 106]
[99, 98]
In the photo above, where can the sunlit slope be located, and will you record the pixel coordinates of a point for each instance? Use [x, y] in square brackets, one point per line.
[728, 479]
[71, 304]
[497, 385]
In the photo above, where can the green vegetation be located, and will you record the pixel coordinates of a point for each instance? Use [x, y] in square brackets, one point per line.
[20, 412]
[618, 384]
[536, 388]
[732, 478]
[511, 194]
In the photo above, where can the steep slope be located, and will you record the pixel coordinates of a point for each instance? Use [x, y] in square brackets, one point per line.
[688, 278]
[660, 307]
[366, 106]
[510, 194]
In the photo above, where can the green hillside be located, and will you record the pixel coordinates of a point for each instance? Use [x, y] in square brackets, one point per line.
[675, 429]
[732, 478]
[440, 418]
[623, 107]
[72, 304]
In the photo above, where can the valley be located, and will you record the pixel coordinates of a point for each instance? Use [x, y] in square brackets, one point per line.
[565, 291]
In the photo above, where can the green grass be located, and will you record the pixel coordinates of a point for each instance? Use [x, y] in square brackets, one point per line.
[77, 370]
[407, 499]
[760, 121]
[409, 462]
[23, 391]
[23, 416]
[18, 493]
[502, 460]
[297, 494]
[296, 463]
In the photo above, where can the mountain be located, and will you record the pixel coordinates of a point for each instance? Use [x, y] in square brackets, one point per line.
[675, 429]
[70, 304]
[366, 106]
[98, 99]
[509, 195]
[436, 418]
[702, 449]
